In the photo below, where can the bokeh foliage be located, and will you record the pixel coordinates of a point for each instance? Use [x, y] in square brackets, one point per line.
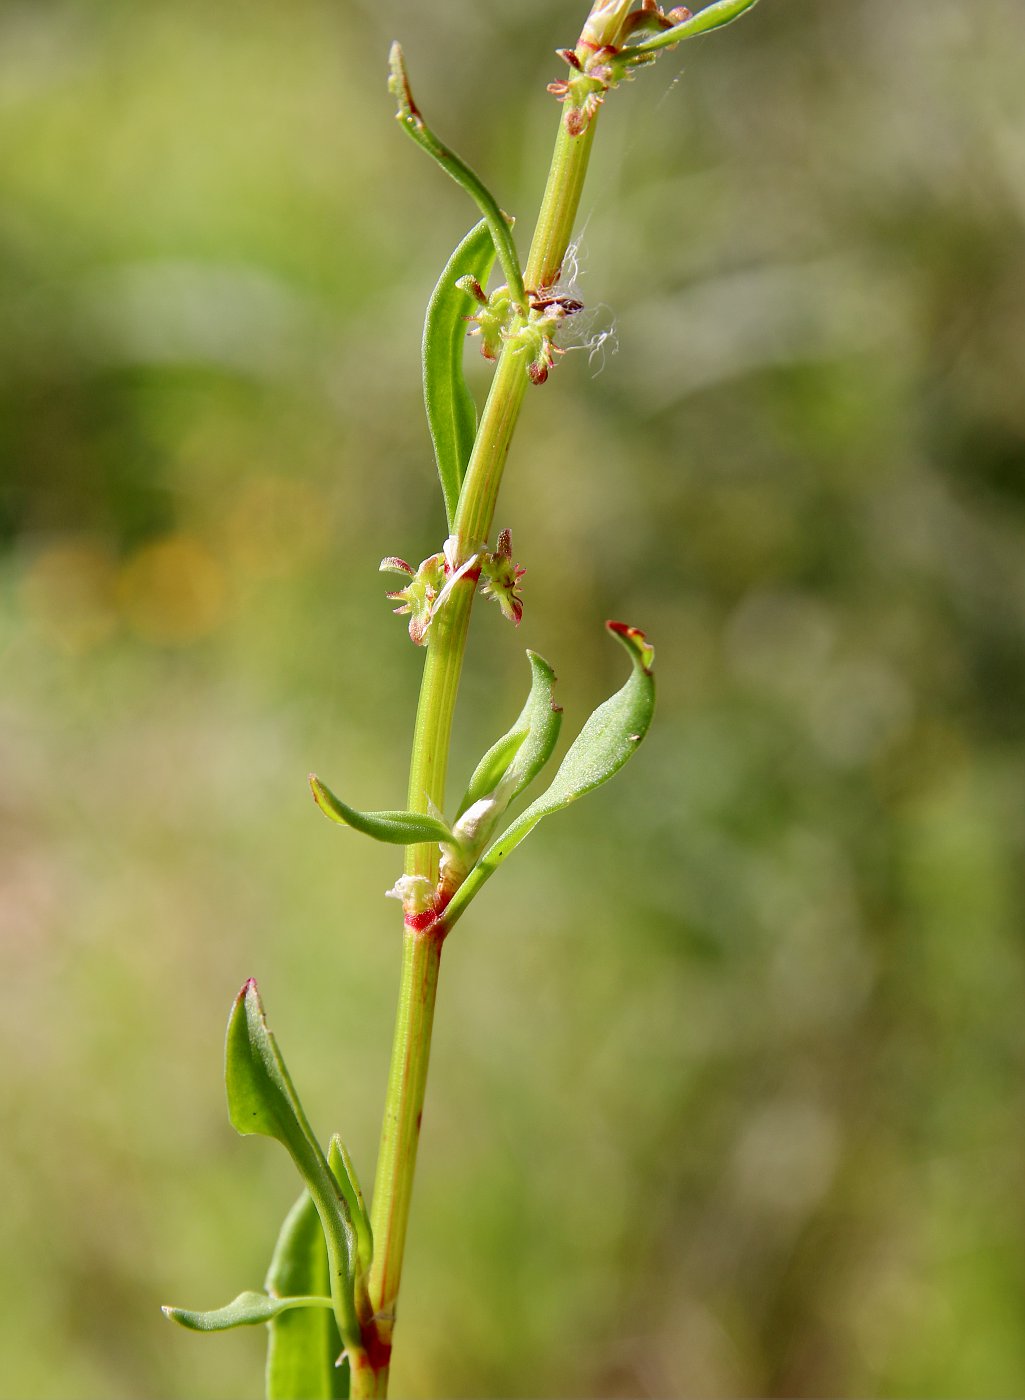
[727, 1086]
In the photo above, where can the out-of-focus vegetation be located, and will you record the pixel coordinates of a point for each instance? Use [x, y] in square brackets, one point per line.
[727, 1085]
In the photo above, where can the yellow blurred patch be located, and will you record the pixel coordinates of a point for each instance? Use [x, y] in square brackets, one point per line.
[275, 526]
[173, 591]
[69, 591]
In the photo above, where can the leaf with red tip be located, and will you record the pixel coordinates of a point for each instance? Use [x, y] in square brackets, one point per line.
[607, 740]
[392, 564]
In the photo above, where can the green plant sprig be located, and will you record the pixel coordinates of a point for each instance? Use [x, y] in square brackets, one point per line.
[330, 1294]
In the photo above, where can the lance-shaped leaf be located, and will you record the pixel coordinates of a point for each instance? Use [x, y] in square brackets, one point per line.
[517, 758]
[304, 1344]
[398, 828]
[607, 740]
[711, 17]
[411, 118]
[451, 411]
[244, 1311]
[262, 1099]
[344, 1173]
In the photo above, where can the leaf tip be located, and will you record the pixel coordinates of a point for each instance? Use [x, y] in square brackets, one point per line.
[635, 642]
[398, 86]
[181, 1316]
[322, 797]
[541, 667]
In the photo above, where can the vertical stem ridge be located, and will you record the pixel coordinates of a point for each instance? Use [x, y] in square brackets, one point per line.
[400, 1133]
[559, 206]
[479, 495]
[443, 667]
[407, 1079]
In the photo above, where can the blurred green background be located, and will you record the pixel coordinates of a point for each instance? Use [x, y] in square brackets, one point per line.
[727, 1091]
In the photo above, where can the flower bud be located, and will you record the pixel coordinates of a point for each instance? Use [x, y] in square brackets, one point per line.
[502, 576]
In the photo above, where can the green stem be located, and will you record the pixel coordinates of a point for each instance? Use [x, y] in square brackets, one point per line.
[400, 1134]
[559, 207]
[422, 946]
[479, 494]
[438, 690]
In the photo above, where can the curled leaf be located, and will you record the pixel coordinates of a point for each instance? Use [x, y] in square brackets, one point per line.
[502, 774]
[493, 766]
[607, 740]
[517, 758]
[263, 1100]
[244, 1311]
[344, 1173]
[397, 828]
[412, 122]
[451, 411]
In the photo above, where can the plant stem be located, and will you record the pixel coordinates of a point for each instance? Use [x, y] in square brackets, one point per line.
[423, 939]
[400, 1133]
[421, 954]
[559, 206]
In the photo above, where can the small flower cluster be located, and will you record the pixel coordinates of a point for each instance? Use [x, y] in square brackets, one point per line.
[498, 324]
[584, 92]
[597, 69]
[428, 586]
[431, 583]
[493, 317]
[502, 578]
[419, 595]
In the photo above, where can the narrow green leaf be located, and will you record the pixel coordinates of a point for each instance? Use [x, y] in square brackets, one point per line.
[542, 719]
[344, 1173]
[244, 1311]
[493, 767]
[411, 119]
[451, 411]
[304, 1344]
[711, 17]
[607, 740]
[517, 758]
[262, 1099]
[399, 828]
